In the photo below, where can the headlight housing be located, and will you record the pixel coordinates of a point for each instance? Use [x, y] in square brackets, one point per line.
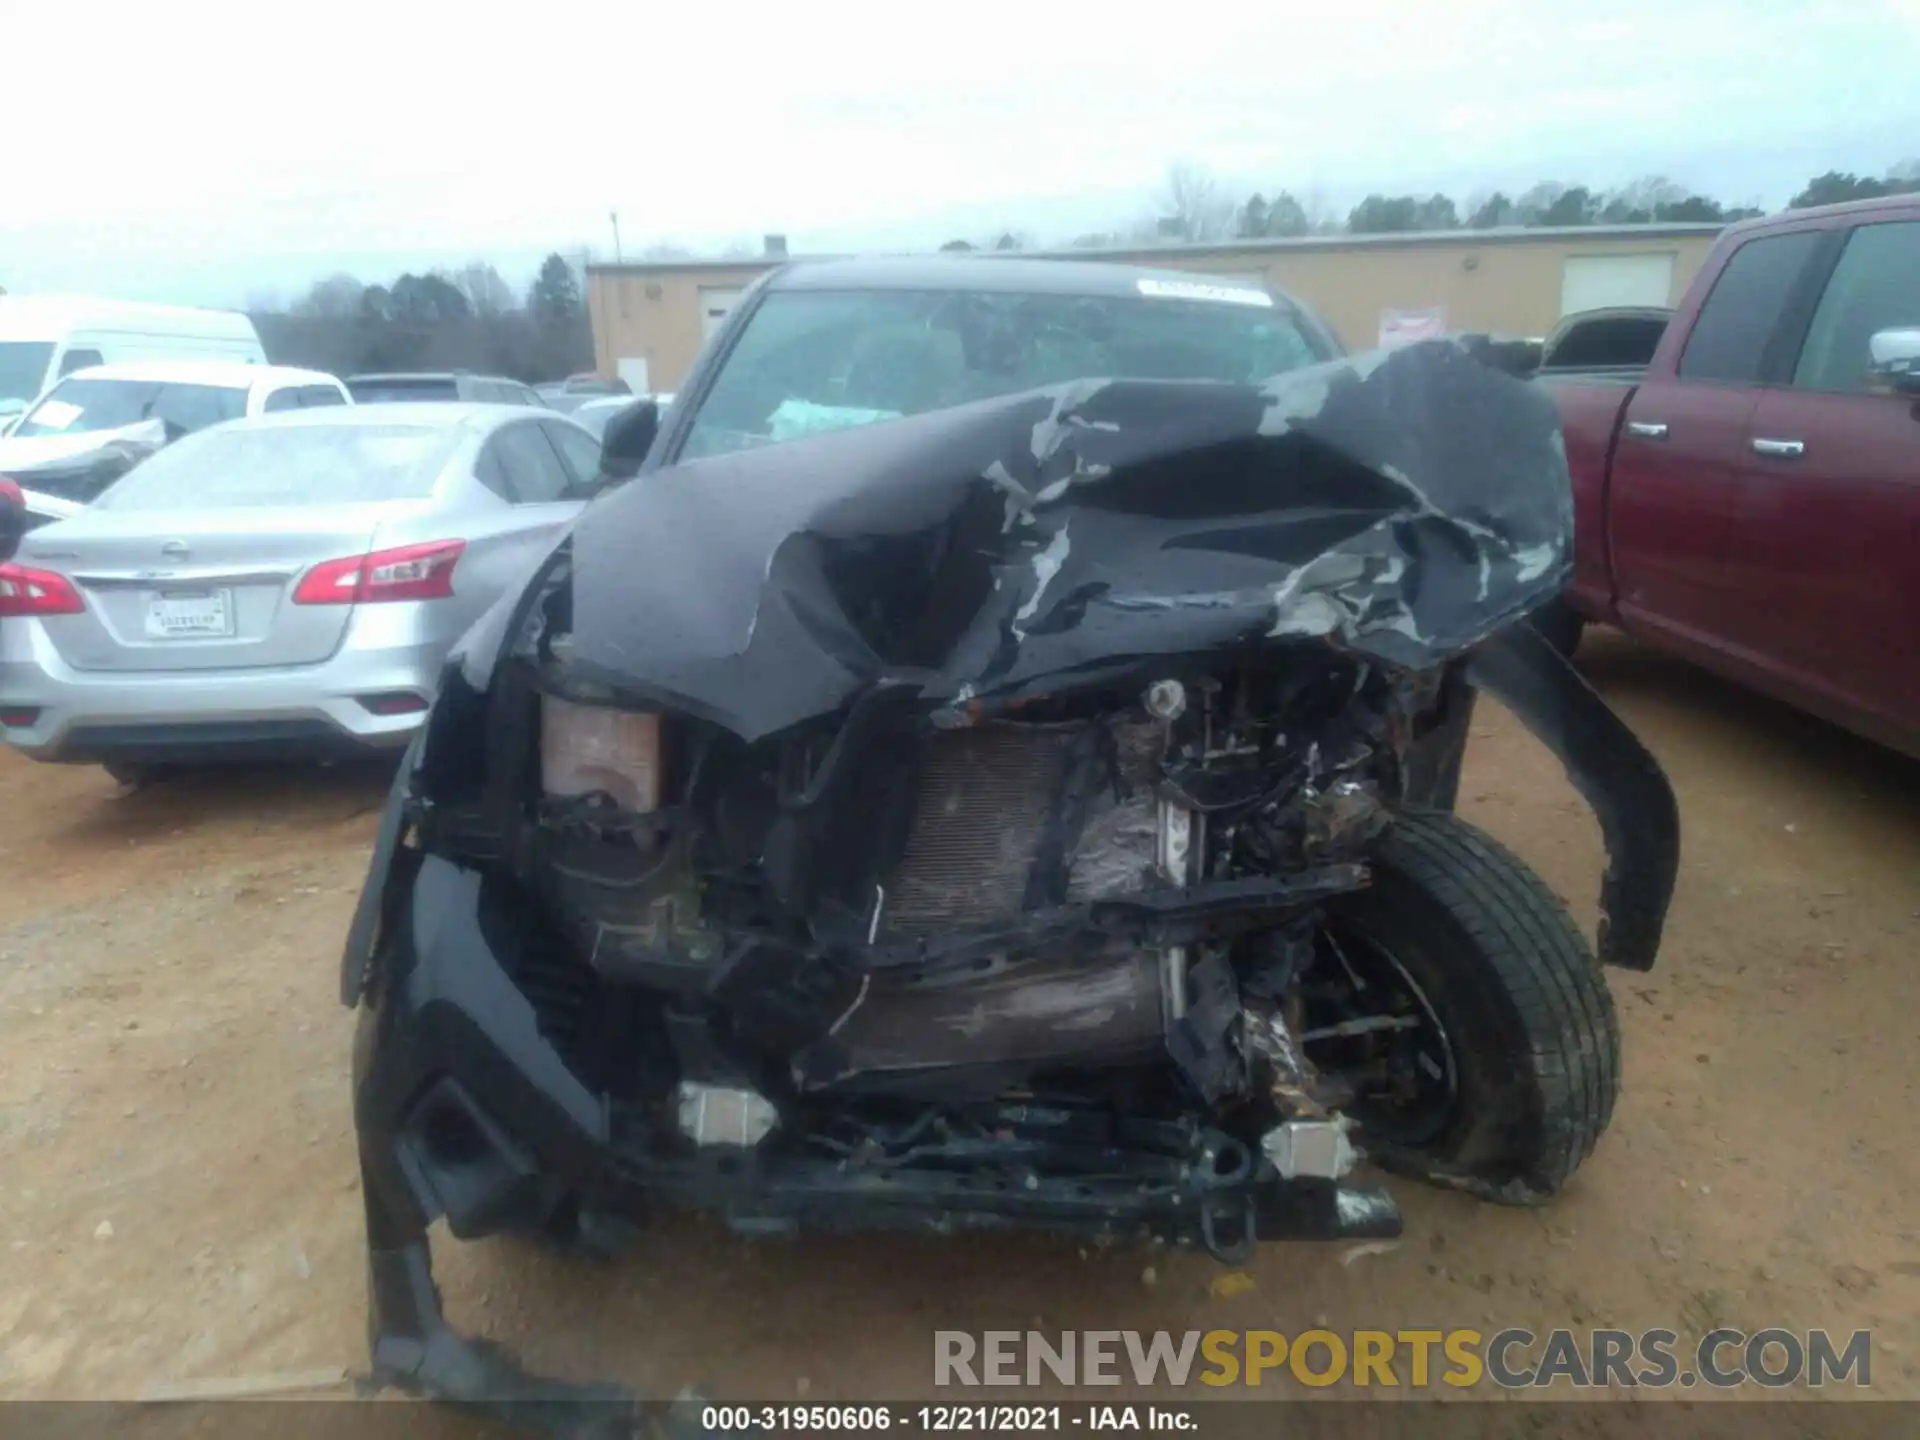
[589, 749]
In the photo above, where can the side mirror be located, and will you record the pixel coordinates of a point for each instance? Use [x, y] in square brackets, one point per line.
[1893, 361]
[628, 437]
[13, 519]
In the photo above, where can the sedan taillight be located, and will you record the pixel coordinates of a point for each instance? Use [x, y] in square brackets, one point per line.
[25, 591]
[408, 572]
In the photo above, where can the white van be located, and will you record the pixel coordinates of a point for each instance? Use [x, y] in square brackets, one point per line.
[46, 337]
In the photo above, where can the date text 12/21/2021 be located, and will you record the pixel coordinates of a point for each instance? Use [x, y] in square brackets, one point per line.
[946, 1419]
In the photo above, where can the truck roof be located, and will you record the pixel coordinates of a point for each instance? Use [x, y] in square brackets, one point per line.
[374, 375]
[229, 374]
[1892, 204]
[43, 317]
[995, 274]
[427, 414]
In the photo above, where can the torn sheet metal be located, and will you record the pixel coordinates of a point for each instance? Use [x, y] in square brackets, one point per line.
[1403, 506]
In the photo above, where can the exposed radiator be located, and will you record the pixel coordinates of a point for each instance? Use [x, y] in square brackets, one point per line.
[986, 798]
[985, 795]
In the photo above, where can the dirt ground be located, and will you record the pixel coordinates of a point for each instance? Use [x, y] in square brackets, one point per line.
[178, 1193]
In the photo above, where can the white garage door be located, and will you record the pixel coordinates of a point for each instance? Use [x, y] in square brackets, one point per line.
[714, 307]
[1597, 282]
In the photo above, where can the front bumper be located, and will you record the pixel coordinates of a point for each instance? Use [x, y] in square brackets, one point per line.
[208, 716]
[467, 1109]
[462, 1109]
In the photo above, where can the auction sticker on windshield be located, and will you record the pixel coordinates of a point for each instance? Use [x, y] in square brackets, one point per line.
[185, 614]
[56, 414]
[1194, 290]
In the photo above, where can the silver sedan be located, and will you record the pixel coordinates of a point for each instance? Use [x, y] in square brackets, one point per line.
[283, 585]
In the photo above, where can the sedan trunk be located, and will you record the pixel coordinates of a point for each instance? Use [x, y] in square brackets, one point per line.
[215, 592]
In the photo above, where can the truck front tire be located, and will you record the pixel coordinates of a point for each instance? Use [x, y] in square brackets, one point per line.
[1456, 928]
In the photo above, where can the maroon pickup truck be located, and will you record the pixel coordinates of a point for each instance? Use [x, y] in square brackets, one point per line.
[1751, 499]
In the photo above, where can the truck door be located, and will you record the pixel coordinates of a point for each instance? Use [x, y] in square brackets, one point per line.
[1827, 530]
[1675, 475]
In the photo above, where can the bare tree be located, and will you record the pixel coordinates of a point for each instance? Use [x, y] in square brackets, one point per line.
[1491, 210]
[1650, 193]
[1537, 200]
[335, 297]
[484, 289]
[1283, 215]
[1192, 205]
[1323, 216]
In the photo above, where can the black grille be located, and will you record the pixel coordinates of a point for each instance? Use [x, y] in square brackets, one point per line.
[561, 987]
[562, 992]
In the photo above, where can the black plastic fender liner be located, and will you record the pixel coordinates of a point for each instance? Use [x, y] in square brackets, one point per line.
[1615, 774]
[414, 1350]
[1430, 775]
[364, 930]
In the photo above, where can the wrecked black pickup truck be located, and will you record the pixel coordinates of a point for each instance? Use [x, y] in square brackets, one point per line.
[942, 791]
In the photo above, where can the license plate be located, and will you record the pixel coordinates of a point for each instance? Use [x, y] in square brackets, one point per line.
[189, 614]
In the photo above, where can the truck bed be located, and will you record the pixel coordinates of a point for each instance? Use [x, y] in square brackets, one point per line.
[1592, 364]
[1591, 407]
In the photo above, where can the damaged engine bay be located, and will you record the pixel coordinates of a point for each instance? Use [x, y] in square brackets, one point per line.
[954, 965]
[1035, 814]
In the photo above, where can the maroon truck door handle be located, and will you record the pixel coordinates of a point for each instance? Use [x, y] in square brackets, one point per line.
[1647, 429]
[1782, 449]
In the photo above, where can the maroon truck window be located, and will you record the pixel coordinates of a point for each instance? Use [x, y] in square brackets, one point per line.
[1729, 340]
[1876, 286]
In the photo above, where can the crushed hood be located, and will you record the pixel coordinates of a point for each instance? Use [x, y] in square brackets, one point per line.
[1402, 506]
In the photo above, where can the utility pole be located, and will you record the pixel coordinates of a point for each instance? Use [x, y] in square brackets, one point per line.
[614, 216]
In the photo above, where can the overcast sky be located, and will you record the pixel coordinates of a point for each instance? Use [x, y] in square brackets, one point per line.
[208, 152]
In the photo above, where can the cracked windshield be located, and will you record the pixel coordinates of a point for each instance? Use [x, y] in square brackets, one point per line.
[1168, 709]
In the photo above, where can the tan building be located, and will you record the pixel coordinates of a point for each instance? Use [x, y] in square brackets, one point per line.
[650, 319]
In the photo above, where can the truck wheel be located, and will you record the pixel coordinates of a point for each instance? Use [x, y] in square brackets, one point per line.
[1560, 625]
[1476, 1033]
